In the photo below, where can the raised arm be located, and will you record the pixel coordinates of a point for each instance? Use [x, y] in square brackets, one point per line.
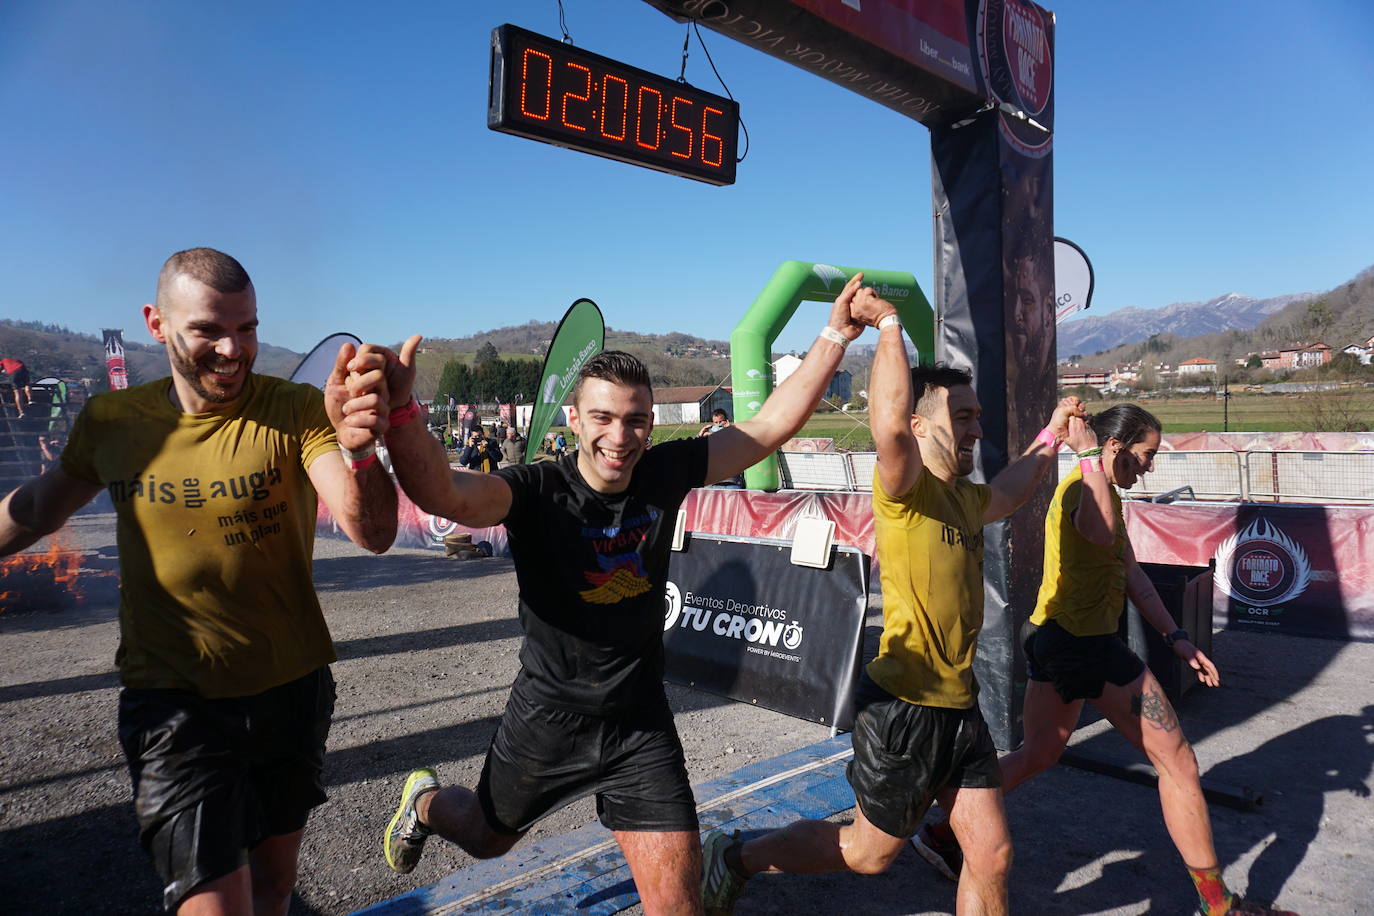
[789, 407]
[891, 402]
[359, 493]
[41, 506]
[1095, 518]
[421, 465]
[1017, 481]
[1146, 599]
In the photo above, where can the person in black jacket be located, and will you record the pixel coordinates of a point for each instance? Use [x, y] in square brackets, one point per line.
[479, 452]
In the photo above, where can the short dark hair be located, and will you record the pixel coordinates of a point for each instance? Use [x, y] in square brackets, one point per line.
[215, 269]
[720, 412]
[926, 378]
[617, 367]
[1126, 423]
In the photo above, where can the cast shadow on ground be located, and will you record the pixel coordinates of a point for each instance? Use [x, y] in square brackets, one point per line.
[461, 634]
[364, 571]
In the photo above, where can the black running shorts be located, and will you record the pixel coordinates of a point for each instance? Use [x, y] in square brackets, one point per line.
[1078, 666]
[543, 758]
[213, 778]
[904, 754]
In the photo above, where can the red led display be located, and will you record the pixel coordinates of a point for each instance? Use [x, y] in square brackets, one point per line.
[546, 90]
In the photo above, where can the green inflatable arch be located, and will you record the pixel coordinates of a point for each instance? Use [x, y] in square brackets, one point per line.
[794, 282]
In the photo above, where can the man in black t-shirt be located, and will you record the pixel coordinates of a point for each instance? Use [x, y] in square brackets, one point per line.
[590, 535]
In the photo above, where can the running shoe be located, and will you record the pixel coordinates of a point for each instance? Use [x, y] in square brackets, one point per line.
[720, 886]
[1243, 907]
[404, 841]
[946, 857]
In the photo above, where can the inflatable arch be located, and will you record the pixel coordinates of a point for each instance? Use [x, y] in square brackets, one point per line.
[794, 282]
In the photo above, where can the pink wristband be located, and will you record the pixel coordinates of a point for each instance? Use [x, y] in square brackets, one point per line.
[367, 462]
[403, 415]
[1047, 437]
[1090, 464]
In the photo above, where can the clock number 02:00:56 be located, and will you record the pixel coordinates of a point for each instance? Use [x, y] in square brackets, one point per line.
[537, 103]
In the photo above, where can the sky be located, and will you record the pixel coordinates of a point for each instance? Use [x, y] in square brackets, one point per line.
[340, 151]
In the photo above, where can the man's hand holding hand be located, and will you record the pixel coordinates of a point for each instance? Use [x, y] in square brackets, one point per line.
[356, 397]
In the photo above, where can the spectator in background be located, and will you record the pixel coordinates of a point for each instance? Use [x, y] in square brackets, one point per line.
[479, 452]
[512, 448]
[560, 445]
[719, 420]
[19, 378]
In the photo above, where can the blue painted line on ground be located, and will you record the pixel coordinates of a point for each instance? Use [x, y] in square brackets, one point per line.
[582, 871]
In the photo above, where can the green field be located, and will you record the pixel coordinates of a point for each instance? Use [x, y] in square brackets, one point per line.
[1248, 412]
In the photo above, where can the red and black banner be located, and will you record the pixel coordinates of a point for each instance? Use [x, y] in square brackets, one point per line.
[741, 621]
[114, 358]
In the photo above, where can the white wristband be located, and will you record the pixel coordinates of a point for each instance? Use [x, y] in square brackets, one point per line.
[834, 336]
[361, 454]
[888, 320]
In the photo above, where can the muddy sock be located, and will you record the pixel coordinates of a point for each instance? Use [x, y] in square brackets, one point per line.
[1214, 899]
[734, 860]
[942, 832]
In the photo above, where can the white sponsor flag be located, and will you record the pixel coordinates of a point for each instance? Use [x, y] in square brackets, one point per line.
[1073, 279]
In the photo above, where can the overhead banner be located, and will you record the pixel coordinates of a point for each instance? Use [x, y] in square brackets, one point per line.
[314, 369]
[742, 622]
[580, 336]
[915, 58]
[114, 358]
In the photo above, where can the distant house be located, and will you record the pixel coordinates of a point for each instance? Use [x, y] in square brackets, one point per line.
[691, 404]
[1271, 360]
[1197, 366]
[840, 387]
[784, 366]
[1363, 352]
[1074, 376]
[1307, 357]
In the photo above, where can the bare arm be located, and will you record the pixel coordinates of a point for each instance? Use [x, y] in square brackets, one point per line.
[1095, 517]
[1018, 480]
[41, 506]
[787, 409]
[891, 403]
[1146, 599]
[421, 465]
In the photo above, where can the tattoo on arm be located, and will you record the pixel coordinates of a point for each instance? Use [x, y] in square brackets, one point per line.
[1155, 709]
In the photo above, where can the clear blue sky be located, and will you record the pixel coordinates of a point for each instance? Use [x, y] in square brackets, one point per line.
[340, 150]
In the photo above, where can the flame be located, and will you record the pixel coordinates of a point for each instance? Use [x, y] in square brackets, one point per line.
[61, 559]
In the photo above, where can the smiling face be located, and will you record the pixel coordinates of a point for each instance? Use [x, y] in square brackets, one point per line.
[948, 429]
[211, 339]
[1126, 465]
[612, 423]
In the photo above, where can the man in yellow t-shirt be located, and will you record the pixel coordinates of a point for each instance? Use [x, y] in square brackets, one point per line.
[918, 733]
[223, 650]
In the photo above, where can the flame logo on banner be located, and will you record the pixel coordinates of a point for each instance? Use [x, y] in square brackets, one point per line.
[1262, 566]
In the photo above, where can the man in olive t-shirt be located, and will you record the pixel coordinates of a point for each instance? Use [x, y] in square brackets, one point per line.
[918, 734]
[223, 649]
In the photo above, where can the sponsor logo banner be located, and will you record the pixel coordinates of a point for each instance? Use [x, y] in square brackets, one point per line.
[580, 336]
[741, 621]
[114, 358]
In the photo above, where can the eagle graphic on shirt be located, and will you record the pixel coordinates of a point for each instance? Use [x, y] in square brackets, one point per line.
[621, 576]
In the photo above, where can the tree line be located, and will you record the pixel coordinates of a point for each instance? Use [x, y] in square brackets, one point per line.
[489, 380]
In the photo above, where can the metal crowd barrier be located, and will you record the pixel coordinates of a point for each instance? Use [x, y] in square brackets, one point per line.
[1255, 476]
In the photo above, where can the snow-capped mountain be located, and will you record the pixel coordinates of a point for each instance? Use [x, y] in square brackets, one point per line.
[1186, 319]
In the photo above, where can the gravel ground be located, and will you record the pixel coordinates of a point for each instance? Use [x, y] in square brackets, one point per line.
[427, 650]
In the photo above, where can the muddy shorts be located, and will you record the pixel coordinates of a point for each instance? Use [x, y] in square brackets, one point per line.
[543, 758]
[904, 754]
[213, 778]
[1078, 666]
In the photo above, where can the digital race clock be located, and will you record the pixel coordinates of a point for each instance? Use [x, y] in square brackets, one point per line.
[547, 90]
